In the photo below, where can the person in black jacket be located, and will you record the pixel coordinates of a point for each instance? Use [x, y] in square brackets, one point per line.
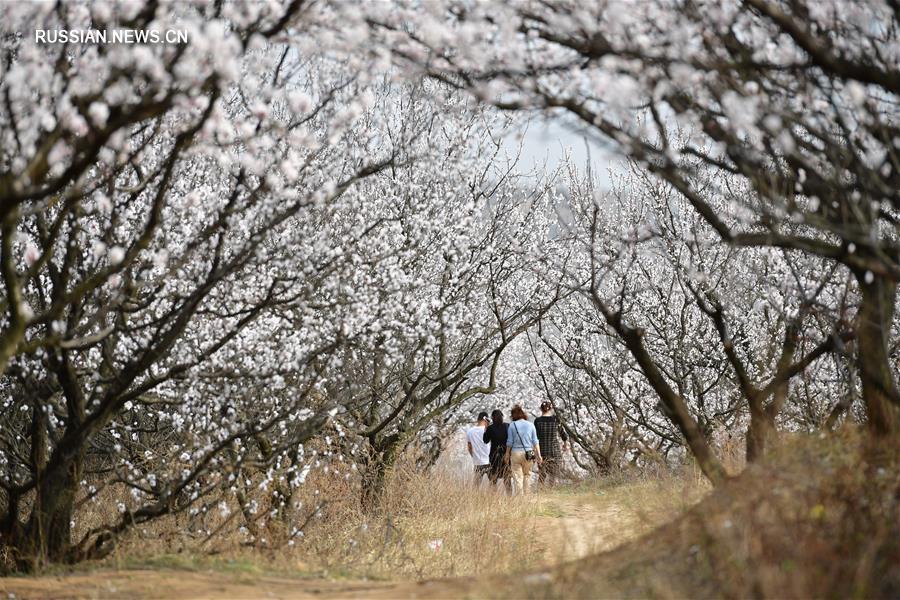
[495, 435]
[549, 432]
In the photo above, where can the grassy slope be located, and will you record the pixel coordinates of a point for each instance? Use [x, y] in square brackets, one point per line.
[820, 519]
[486, 536]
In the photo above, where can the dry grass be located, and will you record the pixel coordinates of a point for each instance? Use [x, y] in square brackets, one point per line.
[650, 498]
[597, 515]
[821, 519]
[484, 535]
[426, 526]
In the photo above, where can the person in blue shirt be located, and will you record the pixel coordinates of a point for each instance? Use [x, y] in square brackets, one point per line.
[522, 450]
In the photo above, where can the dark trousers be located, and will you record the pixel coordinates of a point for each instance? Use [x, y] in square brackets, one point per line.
[548, 471]
[499, 470]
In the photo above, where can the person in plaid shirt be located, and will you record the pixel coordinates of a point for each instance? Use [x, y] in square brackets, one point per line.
[549, 432]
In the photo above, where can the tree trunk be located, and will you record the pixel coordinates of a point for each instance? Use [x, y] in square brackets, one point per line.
[762, 417]
[758, 434]
[379, 462]
[845, 402]
[673, 405]
[47, 536]
[879, 388]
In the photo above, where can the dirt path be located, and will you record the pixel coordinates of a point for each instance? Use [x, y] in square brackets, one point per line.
[170, 583]
[582, 528]
[572, 526]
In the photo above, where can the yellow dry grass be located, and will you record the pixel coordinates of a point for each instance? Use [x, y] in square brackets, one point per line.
[819, 519]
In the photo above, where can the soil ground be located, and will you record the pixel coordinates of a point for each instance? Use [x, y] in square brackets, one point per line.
[571, 525]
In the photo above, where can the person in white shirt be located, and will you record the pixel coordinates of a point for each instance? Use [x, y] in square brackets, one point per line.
[478, 450]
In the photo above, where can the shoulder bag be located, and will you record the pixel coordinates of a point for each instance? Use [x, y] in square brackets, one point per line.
[529, 454]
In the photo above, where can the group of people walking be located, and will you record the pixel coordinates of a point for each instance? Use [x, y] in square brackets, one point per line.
[507, 452]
